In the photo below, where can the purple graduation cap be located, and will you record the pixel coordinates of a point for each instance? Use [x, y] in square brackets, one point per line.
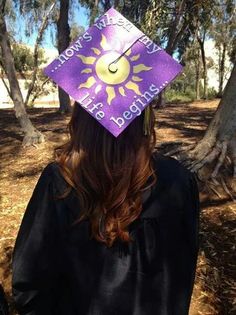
[113, 70]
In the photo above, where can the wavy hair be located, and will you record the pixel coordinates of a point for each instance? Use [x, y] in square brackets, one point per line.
[108, 174]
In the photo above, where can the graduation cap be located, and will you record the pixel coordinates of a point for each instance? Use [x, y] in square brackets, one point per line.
[113, 71]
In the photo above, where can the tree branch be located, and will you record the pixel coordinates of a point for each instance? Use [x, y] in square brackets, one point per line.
[174, 27]
[2, 6]
[39, 92]
[4, 82]
[36, 52]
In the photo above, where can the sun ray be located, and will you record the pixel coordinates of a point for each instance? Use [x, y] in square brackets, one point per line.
[104, 43]
[87, 60]
[133, 86]
[141, 67]
[137, 79]
[87, 70]
[110, 93]
[96, 51]
[88, 84]
[134, 58]
[122, 91]
[128, 52]
[98, 89]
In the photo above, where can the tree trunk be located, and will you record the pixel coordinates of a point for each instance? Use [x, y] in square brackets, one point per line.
[63, 31]
[36, 53]
[94, 12]
[176, 32]
[197, 69]
[198, 84]
[201, 44]
[219, 139]
[31, 135]
[222, 70]
[161, 100]
[106, 5]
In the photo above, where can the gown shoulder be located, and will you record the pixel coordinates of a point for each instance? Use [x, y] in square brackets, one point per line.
[169, 168]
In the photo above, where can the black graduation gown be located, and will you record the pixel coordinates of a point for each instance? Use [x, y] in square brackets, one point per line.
[3, 303]
[60, 270]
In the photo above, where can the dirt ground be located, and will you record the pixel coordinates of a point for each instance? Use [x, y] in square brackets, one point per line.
[214, 290]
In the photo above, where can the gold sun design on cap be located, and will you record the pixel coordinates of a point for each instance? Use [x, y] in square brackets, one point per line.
[112, 69]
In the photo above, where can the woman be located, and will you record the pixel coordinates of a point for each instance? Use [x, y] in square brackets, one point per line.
[111, 228]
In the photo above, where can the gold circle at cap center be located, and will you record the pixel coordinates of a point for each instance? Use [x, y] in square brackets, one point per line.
[112, 61]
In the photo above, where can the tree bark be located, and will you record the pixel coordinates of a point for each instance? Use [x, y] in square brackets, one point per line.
[161, 100]
[222, 70]
[175, 35]
[197, 68]
[31, 134]
[176, 31]
[201, 44]
[219, 139]
[94, 12]
[63, 31]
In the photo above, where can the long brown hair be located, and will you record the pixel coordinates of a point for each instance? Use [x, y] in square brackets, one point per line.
[108, 173]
